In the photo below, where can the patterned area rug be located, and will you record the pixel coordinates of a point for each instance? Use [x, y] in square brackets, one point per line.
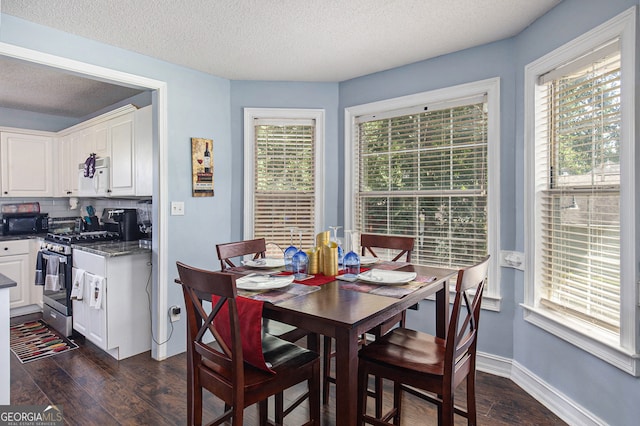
[36, 340]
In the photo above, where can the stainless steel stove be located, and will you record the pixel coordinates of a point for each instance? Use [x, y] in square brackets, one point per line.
[57, 310]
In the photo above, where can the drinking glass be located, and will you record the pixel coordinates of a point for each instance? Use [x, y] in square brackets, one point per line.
[351, 260]
[338, 242]
[300, 262]
[289, 252]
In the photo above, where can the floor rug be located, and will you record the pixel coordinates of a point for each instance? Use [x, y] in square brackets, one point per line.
[36, 340]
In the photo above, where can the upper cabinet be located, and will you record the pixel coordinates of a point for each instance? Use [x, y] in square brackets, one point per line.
[27, 165]
[123, 135]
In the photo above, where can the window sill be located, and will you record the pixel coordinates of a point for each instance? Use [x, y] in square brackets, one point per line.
[584, 339]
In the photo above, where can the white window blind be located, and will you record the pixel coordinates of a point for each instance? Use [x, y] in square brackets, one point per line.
[423, 173]
[284, 180]
[579, 189]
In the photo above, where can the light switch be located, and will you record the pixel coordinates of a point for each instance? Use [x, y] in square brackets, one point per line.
[177, 208]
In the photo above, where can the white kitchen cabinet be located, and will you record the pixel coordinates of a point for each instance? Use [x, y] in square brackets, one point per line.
[122, 325]
[123, 160]
[71, 153]
[16, 263]
[144, 151]
[125, 136]
[27, 165]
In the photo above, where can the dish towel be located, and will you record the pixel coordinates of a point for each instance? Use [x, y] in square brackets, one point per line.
[52, 279]
[40, 272]
[97, 287]
[77, 290]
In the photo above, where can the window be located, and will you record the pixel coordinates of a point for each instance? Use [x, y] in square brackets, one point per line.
[283, 175]
[579, 136]
[421, 169]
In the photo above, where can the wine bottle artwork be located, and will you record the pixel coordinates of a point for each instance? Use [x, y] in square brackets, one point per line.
[207, 158]
[202, 167]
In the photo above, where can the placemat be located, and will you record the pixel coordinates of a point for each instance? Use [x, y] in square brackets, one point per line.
[397, 291]
[279, 295]
[35, 340]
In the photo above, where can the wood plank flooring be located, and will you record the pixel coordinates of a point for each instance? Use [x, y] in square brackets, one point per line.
[95, 389]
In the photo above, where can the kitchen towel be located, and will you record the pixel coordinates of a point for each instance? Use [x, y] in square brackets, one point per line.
[52, 279]
[77, 290]
[97, 287]
[40, 272]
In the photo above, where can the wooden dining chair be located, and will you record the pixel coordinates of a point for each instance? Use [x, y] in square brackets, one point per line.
[370, 243]
[229, 251]
[257, 248]
[222, 370]
[426, 366]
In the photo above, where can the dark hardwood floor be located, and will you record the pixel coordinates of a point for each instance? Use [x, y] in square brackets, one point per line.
[95, 389]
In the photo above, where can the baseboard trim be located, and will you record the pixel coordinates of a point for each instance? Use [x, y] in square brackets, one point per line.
[557, 402]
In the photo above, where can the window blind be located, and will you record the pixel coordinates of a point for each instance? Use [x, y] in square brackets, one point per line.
[284, 181]
[424, 174]
[579, 198]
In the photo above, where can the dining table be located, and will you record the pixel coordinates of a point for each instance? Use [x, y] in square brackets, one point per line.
[346, 310]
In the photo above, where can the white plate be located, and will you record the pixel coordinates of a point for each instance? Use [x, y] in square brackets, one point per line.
[384, 277]
[368, 260]
[263, 282]
[268, 262]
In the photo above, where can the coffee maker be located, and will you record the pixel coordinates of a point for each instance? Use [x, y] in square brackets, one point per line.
[122, 221]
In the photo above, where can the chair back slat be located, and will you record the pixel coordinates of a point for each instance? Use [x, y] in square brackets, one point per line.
[201, 285]
[229, 251]
[465, 314]
[393, 242]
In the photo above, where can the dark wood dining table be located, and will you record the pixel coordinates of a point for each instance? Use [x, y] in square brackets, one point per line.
[346, 314]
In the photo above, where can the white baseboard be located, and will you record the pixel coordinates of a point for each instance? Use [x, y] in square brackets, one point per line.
[557, 402]
[25, 310]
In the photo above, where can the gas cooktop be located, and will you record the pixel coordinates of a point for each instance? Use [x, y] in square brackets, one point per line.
[83, 237]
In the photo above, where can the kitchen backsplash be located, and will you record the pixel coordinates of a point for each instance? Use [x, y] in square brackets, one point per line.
[60, 207]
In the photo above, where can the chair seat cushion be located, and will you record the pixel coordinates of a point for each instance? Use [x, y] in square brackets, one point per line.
[280, 355]
[407, 349]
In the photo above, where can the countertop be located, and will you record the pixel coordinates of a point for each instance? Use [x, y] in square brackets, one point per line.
[107, 248]
[21, 237]
[113, 248]
[6, 282]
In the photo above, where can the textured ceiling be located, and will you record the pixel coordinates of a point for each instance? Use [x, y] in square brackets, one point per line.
[287, 40]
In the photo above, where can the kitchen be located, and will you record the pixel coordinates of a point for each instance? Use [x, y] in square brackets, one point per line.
[82, 197]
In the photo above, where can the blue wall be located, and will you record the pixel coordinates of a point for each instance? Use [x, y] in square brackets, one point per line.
[205, 106]
[255, 94]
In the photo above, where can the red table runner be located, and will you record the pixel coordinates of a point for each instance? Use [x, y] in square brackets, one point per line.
[250, 314]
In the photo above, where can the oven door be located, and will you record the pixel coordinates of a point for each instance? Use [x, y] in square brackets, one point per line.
[58, 299]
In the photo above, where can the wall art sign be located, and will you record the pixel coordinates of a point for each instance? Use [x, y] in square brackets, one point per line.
[202, 167]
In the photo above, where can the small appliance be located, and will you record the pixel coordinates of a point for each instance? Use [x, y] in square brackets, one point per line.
[24, 223]
[122, 221]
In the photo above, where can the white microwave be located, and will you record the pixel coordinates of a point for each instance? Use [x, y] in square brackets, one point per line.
[98, 185]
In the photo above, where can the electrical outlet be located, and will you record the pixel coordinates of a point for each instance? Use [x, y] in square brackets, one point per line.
[174, 313]
[512, 259]
[177, 208]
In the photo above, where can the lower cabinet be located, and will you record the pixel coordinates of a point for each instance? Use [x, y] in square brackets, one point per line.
[17, 264]
[121, 325]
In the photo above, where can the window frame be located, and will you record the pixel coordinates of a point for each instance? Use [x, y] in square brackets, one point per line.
[490, 87]
[623, 353]
[283, 114]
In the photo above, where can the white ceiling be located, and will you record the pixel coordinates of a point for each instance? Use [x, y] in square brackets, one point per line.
[281, 40]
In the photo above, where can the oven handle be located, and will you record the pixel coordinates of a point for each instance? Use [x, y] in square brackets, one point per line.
[63, 259]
